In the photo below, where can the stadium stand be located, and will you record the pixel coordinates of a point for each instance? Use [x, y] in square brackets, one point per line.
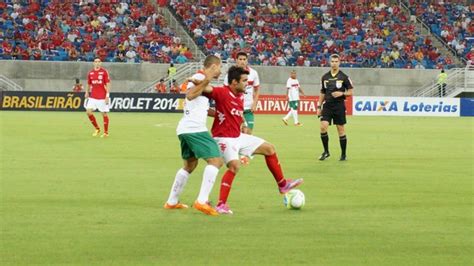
[450, 20]
[305, 33]
[115, 31]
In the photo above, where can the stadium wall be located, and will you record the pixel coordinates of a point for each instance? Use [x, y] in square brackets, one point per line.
[59, 76]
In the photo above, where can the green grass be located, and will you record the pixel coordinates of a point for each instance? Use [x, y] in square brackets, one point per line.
[403, 198]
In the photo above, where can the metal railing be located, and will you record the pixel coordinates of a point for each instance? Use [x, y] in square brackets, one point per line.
[185, 71]
[7, 84]
[458, 80]
[182, 33]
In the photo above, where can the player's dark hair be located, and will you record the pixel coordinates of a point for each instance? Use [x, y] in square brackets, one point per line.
[77, 81]
[242, 54]
[235, 73]
[210, 60]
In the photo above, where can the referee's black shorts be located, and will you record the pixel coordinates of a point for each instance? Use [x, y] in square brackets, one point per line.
[334, 112]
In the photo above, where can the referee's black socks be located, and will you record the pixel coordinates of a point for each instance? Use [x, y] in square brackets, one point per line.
[325, 140]
[343, 142]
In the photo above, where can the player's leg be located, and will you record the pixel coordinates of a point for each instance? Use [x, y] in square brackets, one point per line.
[340, 121]
[295, 113]
[230, 153]
[324, 124]
[226, 185]
[190, 163]
[104, 109]
[90, 107]
[249, 119]
[254, 145]
[205, 147]
[105, 117]
[342, 141]
[249, 122]
[209, 177]
[180, 180]
[287, 116]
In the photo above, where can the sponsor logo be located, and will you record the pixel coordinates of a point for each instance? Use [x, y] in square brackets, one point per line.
[404, 106]
[237, 112]
[223, 146]
[68, 101]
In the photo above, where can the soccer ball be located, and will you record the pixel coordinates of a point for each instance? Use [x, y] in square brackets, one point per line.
[294, 199]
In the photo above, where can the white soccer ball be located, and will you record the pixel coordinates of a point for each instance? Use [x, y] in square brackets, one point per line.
[294, 199]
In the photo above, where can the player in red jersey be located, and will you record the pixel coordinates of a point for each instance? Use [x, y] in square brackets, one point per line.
[226, 131]
[97, 96]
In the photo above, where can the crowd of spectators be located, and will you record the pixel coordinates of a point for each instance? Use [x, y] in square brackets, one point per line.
[366, 33]
[450, 20]
[113, 30]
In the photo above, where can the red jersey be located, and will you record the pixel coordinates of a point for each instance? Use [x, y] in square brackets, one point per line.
[97, 80]
[229, 112]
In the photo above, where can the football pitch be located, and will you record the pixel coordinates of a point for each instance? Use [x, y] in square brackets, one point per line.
[403, 198]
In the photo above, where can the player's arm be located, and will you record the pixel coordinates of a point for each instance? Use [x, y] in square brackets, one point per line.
[349, 92]
[107, 92]
[256, 94]
[200, 87]
[349, 86]
[301, 91]
[107, 87]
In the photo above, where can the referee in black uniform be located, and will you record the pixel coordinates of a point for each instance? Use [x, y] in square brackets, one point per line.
[335, 87]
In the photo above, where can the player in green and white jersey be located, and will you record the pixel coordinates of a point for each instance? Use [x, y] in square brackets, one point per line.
[294, 90]
[196, 142]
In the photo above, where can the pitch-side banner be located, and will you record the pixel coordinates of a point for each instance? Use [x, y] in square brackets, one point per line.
[277, 104]
[406, 106]
[69, 101]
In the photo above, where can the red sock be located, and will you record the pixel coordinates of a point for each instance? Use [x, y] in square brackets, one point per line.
[93, 121]
[274, 166]
[226, 185]
[106, 124]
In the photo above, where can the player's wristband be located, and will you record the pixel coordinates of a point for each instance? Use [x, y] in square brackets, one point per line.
[319, 107]
[107, 95]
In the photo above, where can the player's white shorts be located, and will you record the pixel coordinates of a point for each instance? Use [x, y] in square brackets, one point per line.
[95, 104]
[245, 144]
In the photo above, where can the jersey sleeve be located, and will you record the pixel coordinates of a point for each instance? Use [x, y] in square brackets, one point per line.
[348, 83]
[215, 94]
[288, 84]
[89, 80]
[197, 76]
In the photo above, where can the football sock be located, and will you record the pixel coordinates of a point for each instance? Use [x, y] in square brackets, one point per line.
[325, 140]
[93, 121]
[208, 179]
[295, 116]
[288, 115]
[106, 124]
[226, 185]
[343, 142]
[179, 182]
[274, 166]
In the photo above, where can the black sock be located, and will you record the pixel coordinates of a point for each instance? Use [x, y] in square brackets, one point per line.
[325, 140]
[343, 142]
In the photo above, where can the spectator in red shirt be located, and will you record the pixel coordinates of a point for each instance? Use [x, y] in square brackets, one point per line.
[78, 86]
[470, 56]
